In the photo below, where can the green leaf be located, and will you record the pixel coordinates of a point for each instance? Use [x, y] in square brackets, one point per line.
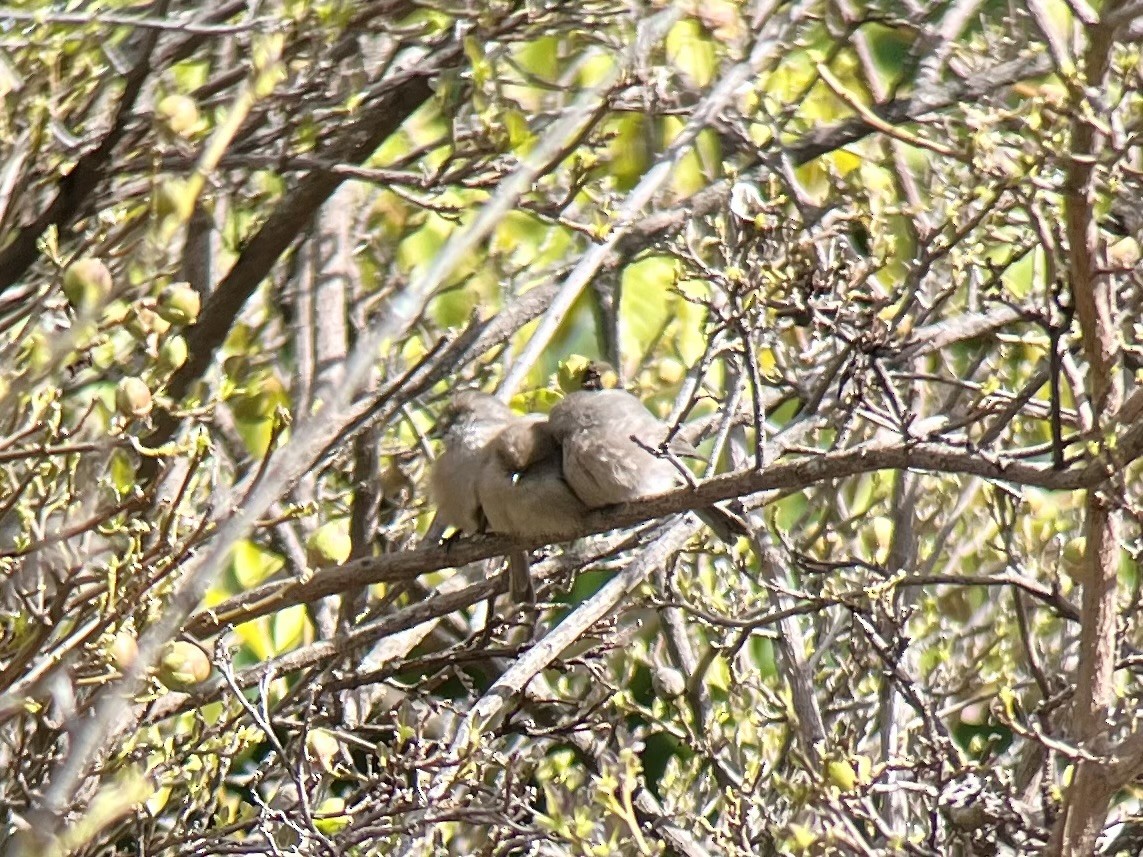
[121, 468]
[289, 627]
[251, 564]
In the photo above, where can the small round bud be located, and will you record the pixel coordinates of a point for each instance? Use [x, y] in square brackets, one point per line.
[172, 353]
[133, 397]
[124, 649]
[179, 304]
[183, 665]
[87, 283]
[179, 113]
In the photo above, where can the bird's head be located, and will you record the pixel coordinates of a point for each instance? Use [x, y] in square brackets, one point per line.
[469, 413]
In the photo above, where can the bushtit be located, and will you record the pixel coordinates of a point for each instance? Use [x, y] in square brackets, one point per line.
[469, 422]
[606, 437]
[522, 488]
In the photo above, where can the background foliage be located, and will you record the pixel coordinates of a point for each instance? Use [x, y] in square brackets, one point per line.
[881, 257]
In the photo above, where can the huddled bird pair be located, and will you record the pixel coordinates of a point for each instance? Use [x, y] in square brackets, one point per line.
[534, 476]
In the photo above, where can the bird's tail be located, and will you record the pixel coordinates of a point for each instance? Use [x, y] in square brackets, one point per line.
[520, 588]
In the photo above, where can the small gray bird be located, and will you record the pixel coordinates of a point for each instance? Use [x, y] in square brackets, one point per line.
[605, 437]
[522, 488]
[469, 422]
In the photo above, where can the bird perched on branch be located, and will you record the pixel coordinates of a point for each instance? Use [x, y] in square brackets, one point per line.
[522, 488]
[614, 450]
[467, 425]
[502, 473]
